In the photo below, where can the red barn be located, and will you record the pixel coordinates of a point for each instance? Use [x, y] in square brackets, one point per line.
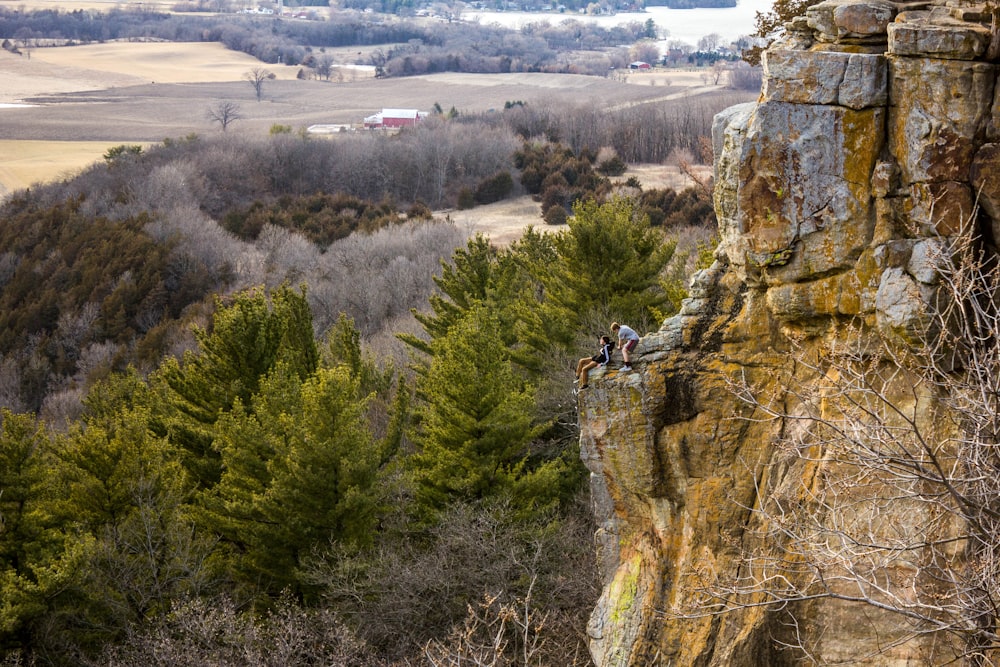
[394, 118]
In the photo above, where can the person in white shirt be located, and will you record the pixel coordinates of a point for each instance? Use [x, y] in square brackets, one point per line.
[627, 340]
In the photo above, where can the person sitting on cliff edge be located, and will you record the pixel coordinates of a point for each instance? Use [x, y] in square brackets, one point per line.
[627, 340]
[584, 366]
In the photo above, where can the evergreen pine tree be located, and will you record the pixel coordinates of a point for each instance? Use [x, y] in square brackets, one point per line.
[299, 469]
[109, 543]
[463, 282]
[248, 337]
[610, 261]
[30, 551]
[505, 280]
[477, 424]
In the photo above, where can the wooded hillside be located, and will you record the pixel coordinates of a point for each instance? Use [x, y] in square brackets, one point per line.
[205, 423]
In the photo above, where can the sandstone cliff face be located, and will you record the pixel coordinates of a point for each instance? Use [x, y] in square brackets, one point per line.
[871, 142]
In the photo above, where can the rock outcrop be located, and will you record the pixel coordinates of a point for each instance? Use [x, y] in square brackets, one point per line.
[875, 135]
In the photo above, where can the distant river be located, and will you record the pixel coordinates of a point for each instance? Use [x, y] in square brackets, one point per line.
[686, 25]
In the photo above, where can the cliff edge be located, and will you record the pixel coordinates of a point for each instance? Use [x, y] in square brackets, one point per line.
[875, 144]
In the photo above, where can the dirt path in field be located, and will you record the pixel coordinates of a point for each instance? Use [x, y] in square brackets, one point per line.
[691, 92]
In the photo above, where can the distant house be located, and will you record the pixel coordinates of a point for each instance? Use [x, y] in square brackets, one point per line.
[394, 118]
[638, 64]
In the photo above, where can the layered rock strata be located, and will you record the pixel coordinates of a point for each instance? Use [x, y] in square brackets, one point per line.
[875, 135]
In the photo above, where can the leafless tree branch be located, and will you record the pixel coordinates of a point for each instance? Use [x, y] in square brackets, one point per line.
[895, 502]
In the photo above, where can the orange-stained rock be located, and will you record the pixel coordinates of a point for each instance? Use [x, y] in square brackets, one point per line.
[836, 195]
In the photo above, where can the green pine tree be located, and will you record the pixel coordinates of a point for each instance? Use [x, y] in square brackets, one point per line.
[299, 469]
[535, 334]
[101, 527]
[249, 336]
[383, 390]
[30, 551]
[504, 280]
[477, 424]
[470, 278]
[610, 261]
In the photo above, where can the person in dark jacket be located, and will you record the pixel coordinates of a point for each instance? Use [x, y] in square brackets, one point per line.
[585, 365]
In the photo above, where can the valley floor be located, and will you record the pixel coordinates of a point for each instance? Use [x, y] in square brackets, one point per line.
[62, 108]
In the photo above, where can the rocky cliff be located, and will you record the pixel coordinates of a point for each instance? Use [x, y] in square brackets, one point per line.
[870, 145]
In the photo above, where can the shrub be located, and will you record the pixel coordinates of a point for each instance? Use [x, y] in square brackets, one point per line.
[554, 180]
[476, 549]
[116, 152]
[217, 632]
[554, 196]
[419, 211]
[555, 215]
[531, 179]
[321, 218]
[494, 188]
[466, 199]
[613, 166]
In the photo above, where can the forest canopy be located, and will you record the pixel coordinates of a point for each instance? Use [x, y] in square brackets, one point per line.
[271, 459]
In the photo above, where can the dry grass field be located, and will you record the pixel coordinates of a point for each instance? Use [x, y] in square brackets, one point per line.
[49, 150]
[505, 221]
[61, 108]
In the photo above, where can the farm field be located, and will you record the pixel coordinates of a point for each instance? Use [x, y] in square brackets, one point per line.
[23, 163]
[62, 108]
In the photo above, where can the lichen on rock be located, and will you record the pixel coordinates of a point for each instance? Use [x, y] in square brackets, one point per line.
[837, 194]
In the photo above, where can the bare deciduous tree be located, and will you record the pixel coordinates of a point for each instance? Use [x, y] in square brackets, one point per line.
[685, 162]
[898, 506]
[494, 634]
[257, 76]
[217, 632]
[743, 76]
[647, 51]
[709, 42]
[324, 66]
[718, 69]
[378, 59]
[619, 75]
[224, 113]
[499, 606]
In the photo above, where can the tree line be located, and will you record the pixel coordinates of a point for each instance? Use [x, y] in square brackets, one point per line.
[461, 47]
[641, 133]
[429, 164]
